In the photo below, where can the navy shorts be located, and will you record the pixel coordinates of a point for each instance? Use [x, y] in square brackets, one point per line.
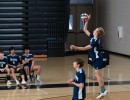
[98, 63]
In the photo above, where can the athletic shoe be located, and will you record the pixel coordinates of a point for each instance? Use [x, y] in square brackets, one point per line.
[29, 81]
[38, 81]
[17, 82]
[23, 82]
[102, 94]
[8, 82]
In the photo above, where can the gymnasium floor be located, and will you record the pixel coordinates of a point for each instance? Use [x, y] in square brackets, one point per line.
[57, 70]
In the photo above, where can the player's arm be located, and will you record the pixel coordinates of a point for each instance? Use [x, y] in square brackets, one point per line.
[71, 80]
[19, 62]
[11, 65]
[73, 47]
[80, 85]
[25, 61]
[32, 63]
[81, 80]
[6, 66]
[19, 65]
[85, 29]
[6, 62]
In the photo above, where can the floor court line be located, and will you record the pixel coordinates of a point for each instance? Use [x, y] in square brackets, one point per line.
[42, 91]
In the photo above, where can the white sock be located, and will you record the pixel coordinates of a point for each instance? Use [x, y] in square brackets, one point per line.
[38, 76]
[17, 81]
[28, 77]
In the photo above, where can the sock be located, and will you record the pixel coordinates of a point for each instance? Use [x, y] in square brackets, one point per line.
[102, 89]
[28, 77]
[38, 76]
[17, 81]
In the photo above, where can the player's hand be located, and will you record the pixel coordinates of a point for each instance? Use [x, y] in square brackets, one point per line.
[14, 67]
[18, 66]
[89, 17]
[70, 81]
[73, 47]
[2, 70]
[73, 83]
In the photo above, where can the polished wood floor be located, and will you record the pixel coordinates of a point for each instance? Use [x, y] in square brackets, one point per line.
[57, 70]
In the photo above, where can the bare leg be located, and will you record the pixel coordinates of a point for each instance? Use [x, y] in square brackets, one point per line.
[99, 78]
[37, 69]
[13, 73]
[26, 68]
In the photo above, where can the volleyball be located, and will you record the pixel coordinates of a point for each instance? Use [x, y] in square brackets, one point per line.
[84, 16]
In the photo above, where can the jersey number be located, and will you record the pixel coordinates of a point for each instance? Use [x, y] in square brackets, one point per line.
[13, 62]
[96, 52]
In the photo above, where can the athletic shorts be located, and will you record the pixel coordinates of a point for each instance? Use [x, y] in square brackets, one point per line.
[27, 66]
[98, 63]
[15, 69]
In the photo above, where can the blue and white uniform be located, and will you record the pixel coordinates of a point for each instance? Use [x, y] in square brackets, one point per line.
[13, 60]
[3, 62]
[79, 93]
[24, 57]
[95, 52]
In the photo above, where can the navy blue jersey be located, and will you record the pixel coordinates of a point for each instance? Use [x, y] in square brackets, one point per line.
[24, 57]
[13, 60]
[3, 62]
[94, 52]
[79, 93]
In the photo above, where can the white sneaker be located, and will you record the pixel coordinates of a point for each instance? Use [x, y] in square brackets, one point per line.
[29, 81]
[8, 82]
[102, 94]
[17, 82]
[23, 82]
[38, 81]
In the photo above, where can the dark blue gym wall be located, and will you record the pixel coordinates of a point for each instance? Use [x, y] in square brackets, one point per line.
[81, 1]
[40, 24]
[13, 24]
[48, 21]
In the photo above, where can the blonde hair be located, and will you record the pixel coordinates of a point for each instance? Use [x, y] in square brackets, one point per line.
[101, 32]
